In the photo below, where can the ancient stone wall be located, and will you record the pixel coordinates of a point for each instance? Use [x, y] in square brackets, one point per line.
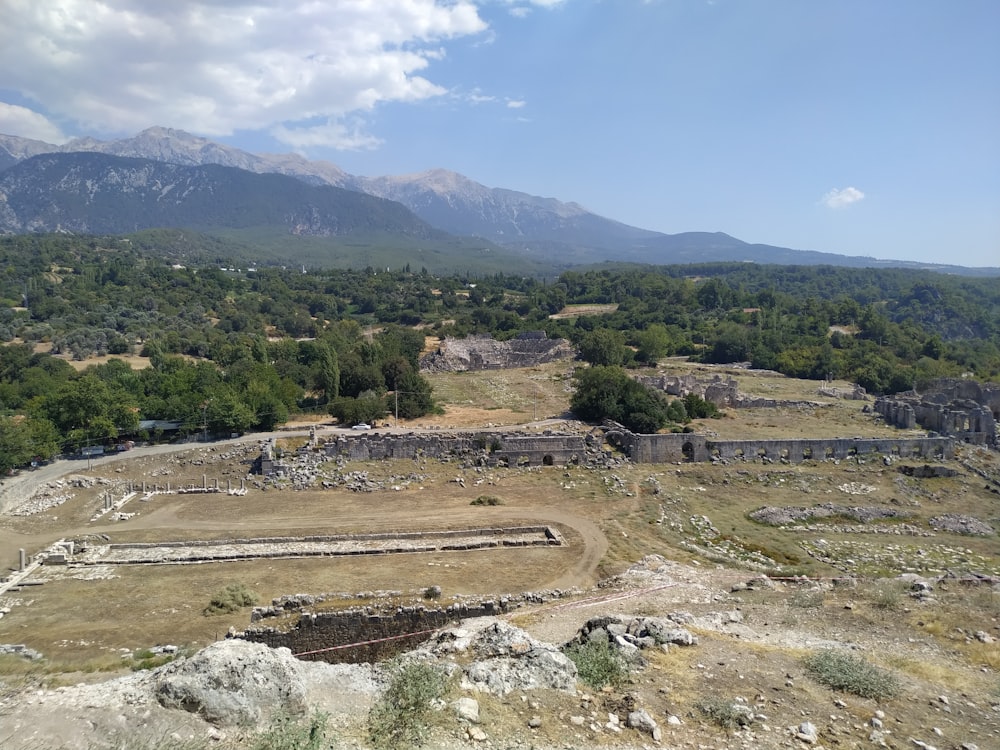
[690, 447]
[486, 448]
[365, 635]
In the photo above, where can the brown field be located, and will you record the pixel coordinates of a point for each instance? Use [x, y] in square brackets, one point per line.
[575, 311]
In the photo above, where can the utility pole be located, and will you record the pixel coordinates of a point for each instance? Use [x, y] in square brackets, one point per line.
[395, 395]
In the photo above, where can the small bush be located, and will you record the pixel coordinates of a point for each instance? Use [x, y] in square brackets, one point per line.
[400, 718]
[725, 712]
[486, 500]
[432, 592]
[292, 733]
[851, 674]
[231, 599]
[807, 598]
[887, 596]
[598, 664]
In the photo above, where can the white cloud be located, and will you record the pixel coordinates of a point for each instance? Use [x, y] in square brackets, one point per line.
[842, 198]
[523, 8]
[476, 96]
[215, 66]
[515, 103]
[347, 135]
[26, 123]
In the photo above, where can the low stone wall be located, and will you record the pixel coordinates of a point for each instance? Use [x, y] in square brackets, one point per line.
[340, 545]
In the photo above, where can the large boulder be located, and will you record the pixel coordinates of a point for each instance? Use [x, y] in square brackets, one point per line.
[234, 683]
[504, 658]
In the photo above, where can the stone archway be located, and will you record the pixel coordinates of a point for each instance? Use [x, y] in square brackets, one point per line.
[688, 450]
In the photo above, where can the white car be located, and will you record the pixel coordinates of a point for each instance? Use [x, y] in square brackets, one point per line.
[361, 426]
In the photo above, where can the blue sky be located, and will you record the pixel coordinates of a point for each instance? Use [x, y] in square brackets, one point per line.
[863, 127]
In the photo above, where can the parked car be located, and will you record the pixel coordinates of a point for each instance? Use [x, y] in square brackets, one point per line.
[361, 426]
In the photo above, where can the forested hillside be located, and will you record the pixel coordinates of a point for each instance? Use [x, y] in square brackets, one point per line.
[235, 350]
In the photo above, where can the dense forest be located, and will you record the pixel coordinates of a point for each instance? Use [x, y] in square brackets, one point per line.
[237, 349]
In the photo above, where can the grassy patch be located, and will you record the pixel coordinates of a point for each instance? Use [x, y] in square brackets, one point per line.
[851, 674]
[807, 598]
[146, 659]
[887, 596]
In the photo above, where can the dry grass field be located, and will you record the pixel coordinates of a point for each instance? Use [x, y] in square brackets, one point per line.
[83, 619]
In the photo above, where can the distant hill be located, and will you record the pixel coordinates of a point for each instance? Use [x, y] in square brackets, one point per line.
[101, 194]
[528, 230]
[269, 218]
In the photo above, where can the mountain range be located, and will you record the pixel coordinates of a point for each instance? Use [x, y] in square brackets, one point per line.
[169, 178]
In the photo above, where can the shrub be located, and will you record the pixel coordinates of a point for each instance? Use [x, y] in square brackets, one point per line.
[807, 598]
[231, 599]
[887, 596]
[851, 674]
[432, 592]
[598, 664]
[400, 718]
[725, 712]
[486, 500]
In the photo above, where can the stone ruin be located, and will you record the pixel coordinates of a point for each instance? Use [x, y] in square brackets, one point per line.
[489, 448]
[724, 392]
[961, 409]
[483, 352]
[374, 632]
[484, 448]
[689, 447]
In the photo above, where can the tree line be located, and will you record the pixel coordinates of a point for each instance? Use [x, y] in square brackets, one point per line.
[235, 349]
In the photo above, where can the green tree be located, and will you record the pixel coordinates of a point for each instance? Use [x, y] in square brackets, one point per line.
[414, 396]
[604, 347]
[368, 408]
[653, 342]
[609, 393]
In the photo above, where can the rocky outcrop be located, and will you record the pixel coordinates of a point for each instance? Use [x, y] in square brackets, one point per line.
[504, 658]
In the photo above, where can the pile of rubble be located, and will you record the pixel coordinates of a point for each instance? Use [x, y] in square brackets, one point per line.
[56, 493]
[782, 516]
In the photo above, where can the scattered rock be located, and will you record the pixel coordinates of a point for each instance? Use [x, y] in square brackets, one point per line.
[467, 709]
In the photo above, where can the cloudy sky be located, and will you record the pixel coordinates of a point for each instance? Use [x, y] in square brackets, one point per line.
[864, 127]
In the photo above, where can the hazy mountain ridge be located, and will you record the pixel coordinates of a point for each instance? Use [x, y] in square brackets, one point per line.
[100, 193]
[527, 225]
